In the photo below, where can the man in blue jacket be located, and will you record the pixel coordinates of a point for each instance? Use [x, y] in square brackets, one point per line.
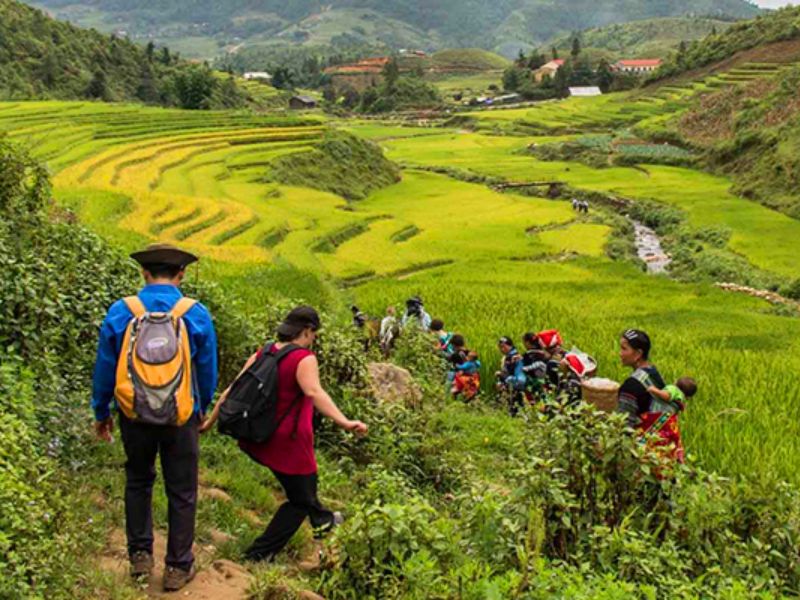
[163, 268]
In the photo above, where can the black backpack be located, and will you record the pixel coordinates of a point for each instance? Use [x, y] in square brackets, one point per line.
[250, 413]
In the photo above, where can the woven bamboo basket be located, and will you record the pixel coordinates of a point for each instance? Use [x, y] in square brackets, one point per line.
[604, 397]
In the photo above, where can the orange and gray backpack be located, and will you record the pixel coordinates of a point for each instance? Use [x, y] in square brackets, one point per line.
[154, 371]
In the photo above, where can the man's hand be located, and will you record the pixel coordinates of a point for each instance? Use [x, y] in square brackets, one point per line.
[357, 427]
[103, 429]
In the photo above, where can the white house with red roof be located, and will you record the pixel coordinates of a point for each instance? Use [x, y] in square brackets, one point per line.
[548, 69]
[638, 66]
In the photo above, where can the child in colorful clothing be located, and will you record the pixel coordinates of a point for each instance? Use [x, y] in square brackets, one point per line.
[443, 338]
[684, 388]
[665, 426]
[456, 356]
[467, 381]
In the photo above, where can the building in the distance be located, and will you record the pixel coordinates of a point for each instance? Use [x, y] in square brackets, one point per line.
[257, 76]
[585, 92]
[639, 66]
[359, 75]
[548, 69]
[302, 103]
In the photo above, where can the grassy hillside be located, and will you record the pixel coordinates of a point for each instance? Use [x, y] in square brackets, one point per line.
[44, 58]
[651, 38]
[506, 25]
[467, 60]
[774, 27]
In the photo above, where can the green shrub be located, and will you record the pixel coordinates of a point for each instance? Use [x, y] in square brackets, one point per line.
[341, 164]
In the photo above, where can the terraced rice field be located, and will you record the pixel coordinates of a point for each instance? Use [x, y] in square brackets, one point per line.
[199, 180]
[705, 198]
[491, 264]
[619, 109]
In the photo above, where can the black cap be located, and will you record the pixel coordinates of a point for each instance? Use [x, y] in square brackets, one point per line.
[505, 340]
[298, 319]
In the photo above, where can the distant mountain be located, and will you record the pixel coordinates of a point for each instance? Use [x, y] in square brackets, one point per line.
[205, 27]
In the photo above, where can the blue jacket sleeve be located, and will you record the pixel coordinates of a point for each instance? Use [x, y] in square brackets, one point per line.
[205, 358]
[105, 367]
[518, 379]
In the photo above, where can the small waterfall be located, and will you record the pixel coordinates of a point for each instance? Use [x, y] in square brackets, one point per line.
[649, 249]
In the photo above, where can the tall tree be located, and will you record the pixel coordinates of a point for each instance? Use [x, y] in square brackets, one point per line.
[195, 88]
[147, 90]
[604, 76]
[576, 47]
[283, 79]
[391, 73]
[98, 86]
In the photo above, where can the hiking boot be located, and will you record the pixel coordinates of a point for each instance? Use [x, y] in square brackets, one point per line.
[176, 579]
[141, 564]
[323, 530]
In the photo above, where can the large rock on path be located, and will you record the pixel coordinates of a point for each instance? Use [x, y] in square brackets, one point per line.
[390, 383]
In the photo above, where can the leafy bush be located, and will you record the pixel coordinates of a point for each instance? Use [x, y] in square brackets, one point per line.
[58, 280]
[590, 511]
[406, 93]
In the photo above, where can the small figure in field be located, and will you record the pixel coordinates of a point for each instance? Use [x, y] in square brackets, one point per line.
[467, 381]
[457, 355]
[511, 379]
[575, 204]
[359, 318]
[443, 337]
[415, 311]
[390, 331]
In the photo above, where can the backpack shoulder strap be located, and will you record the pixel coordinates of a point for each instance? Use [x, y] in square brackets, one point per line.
[286, 350]
[136, 306]
[182, 306]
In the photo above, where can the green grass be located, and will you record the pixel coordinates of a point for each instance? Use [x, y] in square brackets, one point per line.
[739, 422]
[705, 198]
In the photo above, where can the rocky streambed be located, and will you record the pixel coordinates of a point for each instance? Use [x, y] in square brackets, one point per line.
[648, 247]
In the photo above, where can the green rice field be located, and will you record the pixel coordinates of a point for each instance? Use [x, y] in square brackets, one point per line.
[489, 263]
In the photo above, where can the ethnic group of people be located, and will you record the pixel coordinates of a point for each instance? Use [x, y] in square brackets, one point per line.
[543, 374]
[156, 377]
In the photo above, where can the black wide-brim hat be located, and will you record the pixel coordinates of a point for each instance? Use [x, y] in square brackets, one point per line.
[164, 254]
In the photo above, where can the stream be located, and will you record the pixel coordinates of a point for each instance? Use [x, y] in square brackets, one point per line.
[648, 247]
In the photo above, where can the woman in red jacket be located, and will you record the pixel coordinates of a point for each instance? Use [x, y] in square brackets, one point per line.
[289, 453]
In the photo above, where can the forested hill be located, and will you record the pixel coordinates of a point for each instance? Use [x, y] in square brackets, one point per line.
[41, 57]
[650, 38]
[779, 26]
[496, 24]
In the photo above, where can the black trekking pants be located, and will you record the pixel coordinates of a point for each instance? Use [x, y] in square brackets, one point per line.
[179, 451]
[302, 502]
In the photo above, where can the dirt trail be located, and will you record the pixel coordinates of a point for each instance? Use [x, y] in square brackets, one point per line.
[215, 580]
